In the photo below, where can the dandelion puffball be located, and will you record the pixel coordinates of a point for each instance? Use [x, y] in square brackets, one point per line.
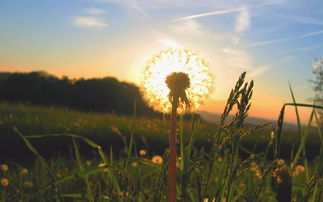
[176, 61]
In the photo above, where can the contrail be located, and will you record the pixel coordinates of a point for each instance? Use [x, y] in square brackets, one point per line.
[262, 43]
[299, 49]
[208, 14]
[221, 12]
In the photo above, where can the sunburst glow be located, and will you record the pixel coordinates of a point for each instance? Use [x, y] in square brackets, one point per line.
[176, 60]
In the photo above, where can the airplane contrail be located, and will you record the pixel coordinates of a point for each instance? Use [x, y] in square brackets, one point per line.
[262, 43]
[221, 12]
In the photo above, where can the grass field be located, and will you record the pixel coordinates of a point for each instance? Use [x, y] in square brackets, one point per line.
[61, 160]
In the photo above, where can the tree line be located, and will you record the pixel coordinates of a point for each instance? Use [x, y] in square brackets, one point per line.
[97, 94]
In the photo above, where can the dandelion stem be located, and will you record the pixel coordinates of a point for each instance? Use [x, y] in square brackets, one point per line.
[172, 154]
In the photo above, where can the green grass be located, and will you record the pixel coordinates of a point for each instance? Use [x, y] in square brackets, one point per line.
[112, 130]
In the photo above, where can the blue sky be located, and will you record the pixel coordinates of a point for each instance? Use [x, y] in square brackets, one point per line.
[275, 41]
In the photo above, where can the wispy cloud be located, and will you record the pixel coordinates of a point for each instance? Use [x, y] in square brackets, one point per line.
[300, 19]
[258, 71]
[169, 43]
[132, 4]
[95, 11]
[243, 20]
[299, 49]
[188, 27]
[226, 11]
[89, 21]
[221, 12]
[237, 58]
[262, 43]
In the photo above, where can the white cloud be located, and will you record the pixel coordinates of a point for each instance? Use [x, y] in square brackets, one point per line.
[169, 43]
[258, 71]
[286, 59]
[95, 11]
[237, 58]
[191, 27]
[89, 21]
[243, 20]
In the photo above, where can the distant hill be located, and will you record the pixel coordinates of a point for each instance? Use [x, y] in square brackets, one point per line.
[4, 75]
[215, 118]
[106, 94]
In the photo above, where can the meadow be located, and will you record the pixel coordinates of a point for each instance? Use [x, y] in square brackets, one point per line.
[57, 154]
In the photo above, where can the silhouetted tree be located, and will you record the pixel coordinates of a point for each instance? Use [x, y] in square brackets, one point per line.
[99, 94]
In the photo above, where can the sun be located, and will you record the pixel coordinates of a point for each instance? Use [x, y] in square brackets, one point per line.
[171, 60]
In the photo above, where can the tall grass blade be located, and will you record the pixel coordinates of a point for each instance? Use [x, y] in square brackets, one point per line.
[131, 135]
[36, 153]
[296, 110]
[93, 145]
[79, 162]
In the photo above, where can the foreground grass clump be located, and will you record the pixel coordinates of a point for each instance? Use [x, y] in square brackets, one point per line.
[138, 174]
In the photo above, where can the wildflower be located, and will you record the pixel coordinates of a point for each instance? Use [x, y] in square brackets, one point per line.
[4, 167]
[259, 174]
[142, 152]
[298, 170]
[101, 164]
[157, 160]
[28, 184]
[134, 164]
[178, 82]
[280, 162]
[116, 130]
[59, 175]
[242, 185]
[4, 182]
[88, 163]
[24, 171]
[176, 66]
[272, 135]
[207, 200]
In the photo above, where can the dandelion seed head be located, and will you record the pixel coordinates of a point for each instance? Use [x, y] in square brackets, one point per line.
[134, 164]
[88, 163]
[28, 184]
[24, 171]
[197, 86]
[4, 182]
[142, 152]
[157, 160]
[101, 165]
[281, 162]
[4, 167]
